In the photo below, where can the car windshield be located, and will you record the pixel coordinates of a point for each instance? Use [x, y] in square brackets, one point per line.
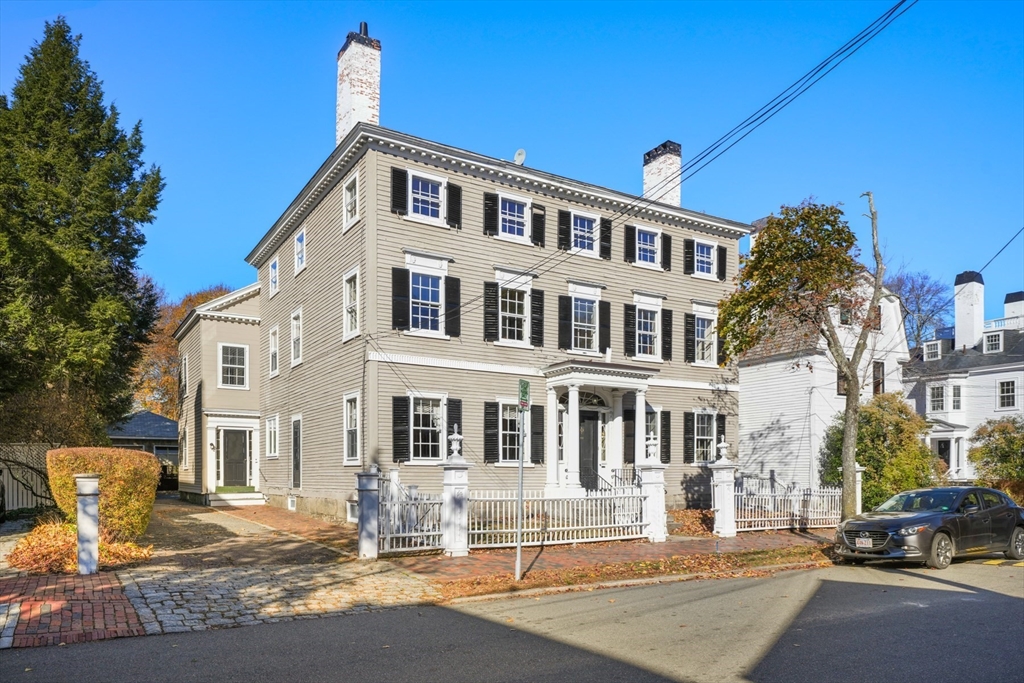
[919, 501]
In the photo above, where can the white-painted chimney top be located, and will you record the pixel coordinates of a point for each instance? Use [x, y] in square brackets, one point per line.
[358, 82]
[1013, 305]
[969, 309]
[662, 169]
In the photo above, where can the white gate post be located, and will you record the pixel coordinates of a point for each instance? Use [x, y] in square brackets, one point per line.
[87, 487]
[368, 488]
[652, 485]
[455, 502]
[723, 478]
[859, 469]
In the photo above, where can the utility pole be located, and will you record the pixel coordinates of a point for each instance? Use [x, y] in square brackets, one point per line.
[524, 405]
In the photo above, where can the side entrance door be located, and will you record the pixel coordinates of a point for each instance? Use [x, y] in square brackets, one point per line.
[942, 450]
[590, 421]
[235, 449]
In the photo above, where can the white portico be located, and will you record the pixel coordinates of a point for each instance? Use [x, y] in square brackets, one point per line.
[585, 411]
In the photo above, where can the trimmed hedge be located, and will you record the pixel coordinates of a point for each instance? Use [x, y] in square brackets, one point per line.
[128, 481]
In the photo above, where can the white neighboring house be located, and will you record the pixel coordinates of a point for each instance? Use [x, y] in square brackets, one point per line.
[790, 395]
[959, 381]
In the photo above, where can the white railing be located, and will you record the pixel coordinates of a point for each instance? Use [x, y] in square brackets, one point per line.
[611, 515]
[1014, 322]
[806, 509]
[409, 521]
[747, 483]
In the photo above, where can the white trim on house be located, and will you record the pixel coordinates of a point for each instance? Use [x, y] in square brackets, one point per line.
[646, 302]
[431, 265]
[351, 458]
[302, 456]
[296, 323]
[520, 281]
[595, 250]
[273, 445]
[274, 351]
[220, 366]
[349, 221]
[713, 275]
[658, 253]
[414, 394]
[990, 336]
[274, 274]
[350, 334]
[304, 251]
[526, 238]
[183, 365]
[932, 347]
[442, 204]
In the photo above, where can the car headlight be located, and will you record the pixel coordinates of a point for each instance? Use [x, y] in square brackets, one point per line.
[911, 530]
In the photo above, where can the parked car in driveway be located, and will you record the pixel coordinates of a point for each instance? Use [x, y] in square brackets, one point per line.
[934, 526]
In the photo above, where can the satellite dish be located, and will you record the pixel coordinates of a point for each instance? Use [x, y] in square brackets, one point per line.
[520, 157]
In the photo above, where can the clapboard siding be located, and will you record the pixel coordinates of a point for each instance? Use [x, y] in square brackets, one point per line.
[189, 477]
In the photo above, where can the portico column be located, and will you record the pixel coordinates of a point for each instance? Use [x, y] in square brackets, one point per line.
[552, 439]
[640, 428]
[616, 458]
[571, 440]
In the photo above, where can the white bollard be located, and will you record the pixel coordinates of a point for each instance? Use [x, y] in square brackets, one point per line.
[455, 506]
[723, 482]
[368, 489]
[652, 484]
[88, 488]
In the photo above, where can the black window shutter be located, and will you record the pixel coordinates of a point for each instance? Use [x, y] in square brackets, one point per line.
[564, 230]
[604, 325]
[666, 436]
[537, 434]
[537, 224]
[399, 428]
[666, 252]
[453, 203]
[628, 436]
[490, 311]
[537, 318]
[687, 257]
[629, 243]
[490, 213]
[399, 299]
[690, 330]
[399, 191]
[723, 255]
[721, 351]
[719, 431]
[688, 433]
[452, 307]
[565, 322]
[606, 238]
[666, 334]
[454, 418]
[491, 435]
[629, 330]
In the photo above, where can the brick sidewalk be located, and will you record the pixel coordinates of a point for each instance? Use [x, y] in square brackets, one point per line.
[47, 610]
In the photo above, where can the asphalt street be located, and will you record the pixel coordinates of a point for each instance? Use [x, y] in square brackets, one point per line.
[872, 623]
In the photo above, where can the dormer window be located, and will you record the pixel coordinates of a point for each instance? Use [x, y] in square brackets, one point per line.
[932, 351]
[993, 342]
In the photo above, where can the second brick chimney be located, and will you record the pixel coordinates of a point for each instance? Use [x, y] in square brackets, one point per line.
[358, 82]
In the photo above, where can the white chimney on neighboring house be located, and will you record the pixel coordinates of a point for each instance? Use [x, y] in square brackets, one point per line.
[662, 168]
[1013, 305]
[756, 228]
[969, 309]
[358, 82]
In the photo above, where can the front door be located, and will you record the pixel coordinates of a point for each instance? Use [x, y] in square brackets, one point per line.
[235, 449]
[590, 421]
[943, 451]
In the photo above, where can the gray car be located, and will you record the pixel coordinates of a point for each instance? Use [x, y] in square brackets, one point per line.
[934, 526]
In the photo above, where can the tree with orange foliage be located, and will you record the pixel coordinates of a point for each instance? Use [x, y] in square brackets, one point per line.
[157, 373]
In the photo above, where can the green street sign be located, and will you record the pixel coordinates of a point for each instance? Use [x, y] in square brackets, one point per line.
[524, 394]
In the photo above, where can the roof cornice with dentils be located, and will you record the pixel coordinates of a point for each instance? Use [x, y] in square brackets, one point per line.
[363, 135]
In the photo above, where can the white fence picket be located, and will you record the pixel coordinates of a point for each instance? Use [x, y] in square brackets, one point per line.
[806, 509]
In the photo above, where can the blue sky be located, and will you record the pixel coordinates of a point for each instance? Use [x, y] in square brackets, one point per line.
[237, 106]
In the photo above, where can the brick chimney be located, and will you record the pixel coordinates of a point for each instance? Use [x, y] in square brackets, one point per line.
[662, 166]
[358, 82]
[968, 309]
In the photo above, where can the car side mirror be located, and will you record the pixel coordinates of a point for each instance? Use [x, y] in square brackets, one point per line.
[971, 509]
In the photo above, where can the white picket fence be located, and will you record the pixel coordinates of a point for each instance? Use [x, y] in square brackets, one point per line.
[605, 515]
[803, 509]
[409, 521]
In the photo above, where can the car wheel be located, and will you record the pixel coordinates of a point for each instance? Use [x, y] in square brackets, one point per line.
[942, 552]
[1016, 550]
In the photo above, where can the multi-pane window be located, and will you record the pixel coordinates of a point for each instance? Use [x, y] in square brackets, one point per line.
[509, 432]
[426, 197]
[352, 304]
[937, 396]
[272, 437]
[426, 302]
[646, 332]
[232, 366]
[584, 324]
[647, 246]
[582, 233]
[183, 377]
[351, 201]
[651, 424]
[931, 351]
[183, 449]
[957, 402]
[704, 258]
[993, 343]
[1007, 394]
[300, 251]
[513, 218]
[297, 337]
[274, 343]
[273, 277]
[704, 330]
[704, 437]
[426, 428]
[351, 428]
[513, 315]
[878, 377]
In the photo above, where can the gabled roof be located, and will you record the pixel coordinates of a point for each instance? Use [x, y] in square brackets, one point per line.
[214, 309]
[964, 360]
[144, 425]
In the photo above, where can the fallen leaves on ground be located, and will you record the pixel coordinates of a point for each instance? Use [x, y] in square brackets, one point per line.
[52, 548]
[698, 523]
[735, 564]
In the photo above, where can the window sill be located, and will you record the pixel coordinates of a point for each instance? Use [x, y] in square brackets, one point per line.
[351, 463]
[648, 359]
[349, 335]
[296, 363]
[350, 224]
[424, 463]
[513, 344]
[1008, 409]
[649, 266]
[589, 253]
[512, 465]
[589, 354]
[225, 386]
[515, 239]
[426, 334]
[704, 364]
[436, 222]
[274, 374]
[274, 293]
[271, 457]
[705, 276]
[299, 270]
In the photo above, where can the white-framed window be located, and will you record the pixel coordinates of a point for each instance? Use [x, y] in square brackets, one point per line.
[509, 425]
[183, 373]
[647, 247]
[426, 302]
[300, 251]
[274, 281]
[272, 439]
[704, 437]
[1007, 395]
[514, 290]
[936, 398]
[427, 438]
[232, 366]
[296, 473]
[426, 195]
[351, 208]
[584, 324]
[351, 304]
[296, 337]
[956, 397]
[647, 333]
[704, 258]
[351, 402]
[183, 448]
[584, 233]
[275, 345]
[993, 342]
[512, 216]
[704, 329]
[932, 350]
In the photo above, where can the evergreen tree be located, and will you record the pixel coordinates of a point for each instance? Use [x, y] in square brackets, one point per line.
[74, 314]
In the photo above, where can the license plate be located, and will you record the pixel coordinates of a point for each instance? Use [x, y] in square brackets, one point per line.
[863, 542]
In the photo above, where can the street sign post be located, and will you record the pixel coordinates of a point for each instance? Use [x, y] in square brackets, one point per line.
[524, 405]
